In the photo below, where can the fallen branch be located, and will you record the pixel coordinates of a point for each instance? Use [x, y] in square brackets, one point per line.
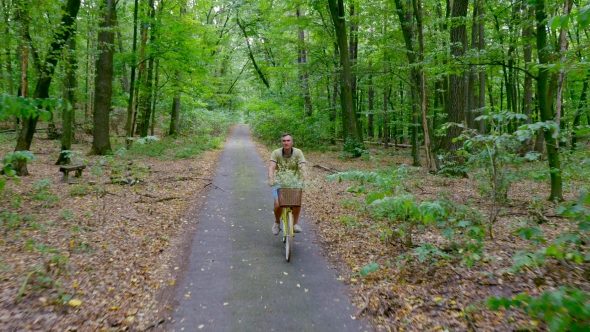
[327, 169]
[211, 184]
[536, 214]
[185, 178]
[147, 195]
[156, 324]
[166, 199]
[367, 300]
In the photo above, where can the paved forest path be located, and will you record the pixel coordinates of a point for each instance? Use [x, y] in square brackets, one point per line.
[238, 278]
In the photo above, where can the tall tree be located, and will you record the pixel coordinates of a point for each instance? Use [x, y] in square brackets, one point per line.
[430, 161]
[101, 144]
[70, 109]
[545, 102]
[46, 71]
[406, 20]
[457, 100]
[352, 137]
[147, 91]
[302, 60]
[130, 105]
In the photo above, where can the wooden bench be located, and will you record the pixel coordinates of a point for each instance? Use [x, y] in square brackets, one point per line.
[66, 169]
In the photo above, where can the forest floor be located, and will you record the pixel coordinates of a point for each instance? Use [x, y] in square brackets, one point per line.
[91, 255]
[406, 292]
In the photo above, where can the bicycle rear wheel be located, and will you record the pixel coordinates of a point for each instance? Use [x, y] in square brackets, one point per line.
[289, 242]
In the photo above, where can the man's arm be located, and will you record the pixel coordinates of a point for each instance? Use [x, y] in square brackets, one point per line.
[272, 166]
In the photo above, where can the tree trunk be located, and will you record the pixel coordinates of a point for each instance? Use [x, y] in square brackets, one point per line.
[70, 109]
[303, 74]
[457, 98]
[430, 161]
[561, 75]
[371, 93]
[101, 144]
[155, 97]
[544, 105]
[405, 17]
[353, 56]
[124, 78]
[175, 116]
[471, 97]
[7, 46]
[582, 104]
[385, 119]
[25, 137]
[352, 137]
[175, 112]
[482, 72]
[130, 110]
[148, 83]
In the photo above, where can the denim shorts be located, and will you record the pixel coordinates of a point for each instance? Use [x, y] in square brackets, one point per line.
[276, 190]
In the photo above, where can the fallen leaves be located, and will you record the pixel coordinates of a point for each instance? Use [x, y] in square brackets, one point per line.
[75, 303]
[104, 257]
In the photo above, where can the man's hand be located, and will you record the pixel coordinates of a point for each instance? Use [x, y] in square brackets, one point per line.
[271, 183]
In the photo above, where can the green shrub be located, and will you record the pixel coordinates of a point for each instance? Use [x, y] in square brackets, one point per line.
[564, 309]
[567, 308]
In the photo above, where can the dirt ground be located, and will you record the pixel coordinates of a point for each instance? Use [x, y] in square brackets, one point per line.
[92, 255]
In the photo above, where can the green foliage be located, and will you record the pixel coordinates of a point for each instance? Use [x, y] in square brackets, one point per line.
[269, 121]
[170, 147]
[29, 107]
[10, 220]
[495, 153]
[43, 193]
[464, 228]
[9, 160]
[215, 123]
[576, 169]
[67, 215]
[405, 214]
[369, 268]
[353, 148]
[350, 221]
[146, 140]
[80, 189]
[564, 309]
[381, 182]
[427, 251]
[386, 199]
[569, 245]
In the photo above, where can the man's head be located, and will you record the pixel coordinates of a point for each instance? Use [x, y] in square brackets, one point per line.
[287, 141]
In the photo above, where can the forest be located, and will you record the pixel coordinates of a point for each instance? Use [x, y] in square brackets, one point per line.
[457, 129]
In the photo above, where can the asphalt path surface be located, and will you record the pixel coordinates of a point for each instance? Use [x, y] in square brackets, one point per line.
[238, 278]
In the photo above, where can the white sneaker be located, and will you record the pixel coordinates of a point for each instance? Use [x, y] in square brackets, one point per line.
[297, 229]
[275, 229]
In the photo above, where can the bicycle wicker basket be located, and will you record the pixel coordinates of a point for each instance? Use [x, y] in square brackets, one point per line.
[289, 197]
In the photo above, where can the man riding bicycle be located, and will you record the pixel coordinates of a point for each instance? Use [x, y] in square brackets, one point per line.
[288, 165]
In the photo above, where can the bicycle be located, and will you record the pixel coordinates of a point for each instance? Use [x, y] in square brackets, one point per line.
[288, 198]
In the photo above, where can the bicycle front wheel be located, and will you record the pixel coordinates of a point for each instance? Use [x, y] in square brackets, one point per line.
[284, 225]
[289, 236]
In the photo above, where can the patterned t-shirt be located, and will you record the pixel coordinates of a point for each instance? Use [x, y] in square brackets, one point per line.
[288, 173]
